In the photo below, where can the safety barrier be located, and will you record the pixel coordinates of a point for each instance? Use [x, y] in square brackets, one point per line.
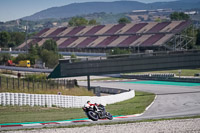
[21, 99]
[150, 75]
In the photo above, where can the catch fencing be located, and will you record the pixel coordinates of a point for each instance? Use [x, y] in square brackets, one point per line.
[23, 99]
[24, 85]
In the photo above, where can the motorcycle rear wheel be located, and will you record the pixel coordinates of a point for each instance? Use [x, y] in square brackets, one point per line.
[93, 116]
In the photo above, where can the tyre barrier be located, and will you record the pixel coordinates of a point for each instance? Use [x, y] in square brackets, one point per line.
[45, 100]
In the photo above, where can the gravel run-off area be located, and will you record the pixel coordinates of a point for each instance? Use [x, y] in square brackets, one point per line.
[166, 126]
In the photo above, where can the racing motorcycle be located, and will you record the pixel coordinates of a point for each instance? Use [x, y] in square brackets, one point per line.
[97, 112]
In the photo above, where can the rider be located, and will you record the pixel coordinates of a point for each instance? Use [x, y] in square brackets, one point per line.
[88, 105]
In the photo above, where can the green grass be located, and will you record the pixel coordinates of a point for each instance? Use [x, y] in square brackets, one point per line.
[132, 106]
[184, 72]
[106, 79]
[16, 114]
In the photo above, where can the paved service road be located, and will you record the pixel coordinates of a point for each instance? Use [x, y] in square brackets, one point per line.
[171, 101]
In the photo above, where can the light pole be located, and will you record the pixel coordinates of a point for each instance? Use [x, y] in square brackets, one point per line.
[179, 71]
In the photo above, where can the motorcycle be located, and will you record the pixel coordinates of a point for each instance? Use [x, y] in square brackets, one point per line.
[97, 112]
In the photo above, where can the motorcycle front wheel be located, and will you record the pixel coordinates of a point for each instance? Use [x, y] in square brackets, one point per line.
[109, 116]
[92, 115]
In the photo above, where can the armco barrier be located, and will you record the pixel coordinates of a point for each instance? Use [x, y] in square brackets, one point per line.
[65, 101]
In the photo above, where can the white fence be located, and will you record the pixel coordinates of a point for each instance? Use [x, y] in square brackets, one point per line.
[22, 99]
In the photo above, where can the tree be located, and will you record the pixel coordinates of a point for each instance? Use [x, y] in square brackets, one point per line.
[93, 22]
[117, 51]
[124, 20]
[49, 57]
[17, 37]
[179, 16]
[4, 39]
[33, 53]
[20, 57]
[198, 38]
[4, 57]
[78, 21]
[50, 45]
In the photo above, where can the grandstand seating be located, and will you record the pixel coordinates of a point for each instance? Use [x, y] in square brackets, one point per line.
[159, 27]
[107, 41]
[128, 41]
[117, 41]
[147, 27]
[86, 42]
[180, 26]
[67, 42]
[151, 40]
[76, 42]
[47, 33]
[96, 42]
[140, 40]
[94, 30]
[163, 40]
[106, 36]
[114, 29]
[74, 31]
[42, 32]
[57, 31]
[135, 28]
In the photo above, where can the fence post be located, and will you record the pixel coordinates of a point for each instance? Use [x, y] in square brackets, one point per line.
[46, 83]
[0, 82]
[38, 85]
[64, 84]
[23, 84]
[42, 84]
[57, 83]
[13, 83]
[18, 83]
[7, 82]
[33, 85]
[28, 85]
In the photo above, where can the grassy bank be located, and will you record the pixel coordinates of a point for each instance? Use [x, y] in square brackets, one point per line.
[9, 114]
[41, 86]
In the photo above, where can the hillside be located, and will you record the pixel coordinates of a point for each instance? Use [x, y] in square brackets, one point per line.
[108, 7]
[87, 8]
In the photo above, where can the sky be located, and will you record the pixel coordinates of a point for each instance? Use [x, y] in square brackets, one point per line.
[15, 9]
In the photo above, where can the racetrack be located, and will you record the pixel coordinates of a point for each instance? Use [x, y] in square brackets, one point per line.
[171, 101]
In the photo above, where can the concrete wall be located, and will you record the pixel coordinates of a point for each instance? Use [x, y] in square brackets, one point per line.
[20, 99]
[129, 64]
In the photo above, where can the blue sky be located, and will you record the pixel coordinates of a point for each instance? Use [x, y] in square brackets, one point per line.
[15, 9]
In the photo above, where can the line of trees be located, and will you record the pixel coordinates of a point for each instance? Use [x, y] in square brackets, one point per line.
[179, 16]
[80, 21]
[11, 39]
[47, 53]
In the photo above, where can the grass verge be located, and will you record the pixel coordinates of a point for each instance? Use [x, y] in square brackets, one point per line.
[16, 114]
[15, 85]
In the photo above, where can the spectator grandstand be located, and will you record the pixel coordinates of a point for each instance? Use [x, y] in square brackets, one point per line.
[150, 35]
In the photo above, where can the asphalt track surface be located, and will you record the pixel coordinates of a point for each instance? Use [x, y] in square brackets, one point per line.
[171, 101]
